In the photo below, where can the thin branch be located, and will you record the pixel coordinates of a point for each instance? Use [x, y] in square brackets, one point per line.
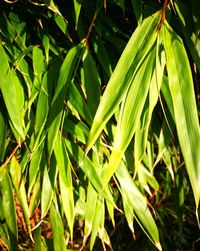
[90, 29]
[163, 16]
[11, 155]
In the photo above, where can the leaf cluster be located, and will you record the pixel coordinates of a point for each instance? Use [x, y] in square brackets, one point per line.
[99, 121]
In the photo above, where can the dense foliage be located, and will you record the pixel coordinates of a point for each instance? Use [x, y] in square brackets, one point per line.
[99, 124]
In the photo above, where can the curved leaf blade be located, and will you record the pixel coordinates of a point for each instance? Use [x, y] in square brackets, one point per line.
[65, 76]
[135, 51]
[13, 94]
[185, 109]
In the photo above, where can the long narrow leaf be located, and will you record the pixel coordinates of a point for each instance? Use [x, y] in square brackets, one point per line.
[57, 229]
[130, 113]
[65, 179]
[185, 109]
[57, 104]
[128, 64]
[9, 207]
[138, 202]
[12, 93]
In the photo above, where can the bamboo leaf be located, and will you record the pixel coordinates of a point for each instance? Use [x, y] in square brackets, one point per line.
[62, 24]
[77, 8]
[8, 206]
[3, 227]
[13, 94]
[35, 196]
[138, 202]
[130, 113]
[185, 109]
[92, 81]
[79, 130]
[188, 26]
[78, 102]
[99, 214]
[128, 64]
[19, 185]
[34, 167]
[90, 171]
[57, 104]
[3, 132]
[90, 211]
[57, 229]
[43, 103]
[49, 177]
[65, 179]
[38, 62]
[137, 6]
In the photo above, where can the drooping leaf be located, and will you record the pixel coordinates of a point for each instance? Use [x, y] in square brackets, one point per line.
[57, 104]
[19, 185]
[13, 94]
[49, 178]
[92, 81]
[128, 64]
[57, 229]
[65, 180]
[188, 26]
[130, 112]
[8, 204]
[77, 8]
[3, 131]
[185, 109]
[138, 202]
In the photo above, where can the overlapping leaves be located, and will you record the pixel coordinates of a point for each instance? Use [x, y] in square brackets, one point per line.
[49, 98]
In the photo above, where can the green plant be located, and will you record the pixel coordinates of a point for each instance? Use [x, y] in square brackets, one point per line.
[99, 118]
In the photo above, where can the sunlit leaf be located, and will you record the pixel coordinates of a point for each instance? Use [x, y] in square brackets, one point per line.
[128, 64]
[185, 110]
[9, 207]
[13, 94]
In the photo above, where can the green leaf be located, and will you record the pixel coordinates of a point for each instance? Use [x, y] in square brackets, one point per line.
[65, 180]
[43, 103]
[37, 239]
[128, 64]
[35, 197]
[38, 62]
[77, 8]
[130, 112]
[188, 26]
[57, 229]
[3, 132]
[90, 211]
[128, 211]
[137, 7]
[57, 105]
[78, 102]
[78, 130]
[49, 178]
[92, 81]
[138, 202]
[8, 206]
[142, 132]
[99, 215]
[102, 55]
[19, 185]
[90, 171]
[13, 94]
[62, 24]
[185, 109]
[34, 167]
[3, 227]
